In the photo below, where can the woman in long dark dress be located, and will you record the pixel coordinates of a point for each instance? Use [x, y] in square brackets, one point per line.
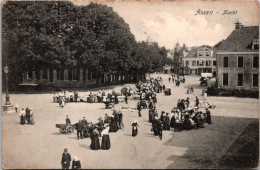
[22, 116]
[22, 119]
[167, 122]
[134, 128]
[105, 144]
[154, 126]
[95, 145]
[173, 120]
[113, 125]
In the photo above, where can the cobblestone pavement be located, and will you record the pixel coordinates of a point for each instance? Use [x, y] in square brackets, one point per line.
[41, 145]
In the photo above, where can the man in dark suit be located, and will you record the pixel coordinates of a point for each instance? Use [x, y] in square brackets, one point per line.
[27, 115]
[79, 127]
[65, 160]
[159, 128]
[84, 121]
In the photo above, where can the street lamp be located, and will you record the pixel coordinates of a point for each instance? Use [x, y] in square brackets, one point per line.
[7, 100]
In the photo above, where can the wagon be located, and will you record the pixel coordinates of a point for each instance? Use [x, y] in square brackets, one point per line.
[65, 128]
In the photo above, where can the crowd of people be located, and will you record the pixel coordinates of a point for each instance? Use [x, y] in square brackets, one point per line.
[184, 116]
[101, 129]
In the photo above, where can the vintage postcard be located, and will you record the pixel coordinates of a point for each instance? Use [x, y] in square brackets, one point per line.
[133, 84]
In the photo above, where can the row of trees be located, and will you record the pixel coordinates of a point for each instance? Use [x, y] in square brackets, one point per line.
[58, 34]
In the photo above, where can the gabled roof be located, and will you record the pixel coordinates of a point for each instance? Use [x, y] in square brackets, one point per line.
[240, 40]
[192, 53]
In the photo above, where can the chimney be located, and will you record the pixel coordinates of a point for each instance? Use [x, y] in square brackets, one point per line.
[238, 25]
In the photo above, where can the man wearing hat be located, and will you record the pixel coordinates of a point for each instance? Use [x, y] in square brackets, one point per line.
[84, 122]
[79, 127]
[65, 160]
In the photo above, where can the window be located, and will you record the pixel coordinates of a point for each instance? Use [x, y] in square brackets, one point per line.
[240, 80]
[84, 75]
[255, 44]
[214, 63]
[77, 74]
[225, 62]
[193, 63]
[255, 80]
[208, 63]
[200, 54]
[61, 74]
[94, 75]
[44, 76]
[89, 75]
[200, 63]
[50, 75]
[37, 75]
[207, 54]
[255, 61]
[187, 63]
[74, 74]
[225, 79]
[240, 61]
[70, 74]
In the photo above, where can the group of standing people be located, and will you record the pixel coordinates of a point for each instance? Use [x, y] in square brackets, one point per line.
[66, 159]
[26, 116]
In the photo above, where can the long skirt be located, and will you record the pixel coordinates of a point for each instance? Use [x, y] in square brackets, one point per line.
[134, 132]
[113, 127]
[150, 115]
[155, 130]
[208, 119]
[95, 145]
[105, 142]
[22, 120]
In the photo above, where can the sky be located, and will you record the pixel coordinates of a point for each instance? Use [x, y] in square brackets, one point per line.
[167, 22]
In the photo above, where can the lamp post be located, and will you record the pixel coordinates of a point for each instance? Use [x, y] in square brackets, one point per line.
[7, 98]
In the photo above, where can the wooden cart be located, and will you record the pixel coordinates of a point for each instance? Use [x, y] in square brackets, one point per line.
[65, 128]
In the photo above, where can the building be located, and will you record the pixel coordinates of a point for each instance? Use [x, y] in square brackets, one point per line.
[238, 59]
[178, 54]
[70, 78]
[167, 69]
[199, 60]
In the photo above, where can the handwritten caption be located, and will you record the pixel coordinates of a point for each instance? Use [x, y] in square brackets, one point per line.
[224, 12]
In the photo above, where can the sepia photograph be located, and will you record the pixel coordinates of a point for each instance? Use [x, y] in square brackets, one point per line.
[131, 84]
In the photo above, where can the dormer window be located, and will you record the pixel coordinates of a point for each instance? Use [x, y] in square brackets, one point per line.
[255, 44]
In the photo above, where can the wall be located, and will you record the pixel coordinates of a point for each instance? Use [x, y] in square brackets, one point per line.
[233, 71]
